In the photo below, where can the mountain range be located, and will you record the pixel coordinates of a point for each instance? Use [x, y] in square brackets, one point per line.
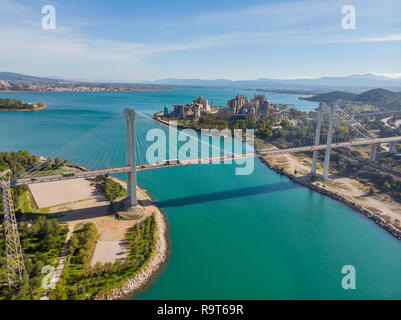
[351, 83]
[354, 83]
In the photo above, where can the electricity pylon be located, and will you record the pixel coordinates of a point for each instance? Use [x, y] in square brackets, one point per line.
[15, 260]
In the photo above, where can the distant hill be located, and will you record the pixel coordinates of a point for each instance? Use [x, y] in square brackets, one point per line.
[24, 79]
[354, 83]
[10, 81]
[332, 96]
[381, 98]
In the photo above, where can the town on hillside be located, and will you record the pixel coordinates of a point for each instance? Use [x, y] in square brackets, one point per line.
[257, 106]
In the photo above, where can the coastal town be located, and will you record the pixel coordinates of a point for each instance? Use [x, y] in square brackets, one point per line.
[21, 84]
[257, 106]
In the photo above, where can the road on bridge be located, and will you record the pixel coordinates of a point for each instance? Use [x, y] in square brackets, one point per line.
[216, 159]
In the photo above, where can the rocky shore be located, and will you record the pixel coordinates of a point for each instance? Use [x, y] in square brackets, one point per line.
[371, 215]
[22, 109]
[142, 278]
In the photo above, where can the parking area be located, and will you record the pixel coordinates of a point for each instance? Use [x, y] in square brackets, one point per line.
[50, 194]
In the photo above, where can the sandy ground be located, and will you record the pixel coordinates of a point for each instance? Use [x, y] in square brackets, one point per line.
[56, 193]
[347, 187]
[397, 123]
[111, 244]
[158, 257]
[355, 191]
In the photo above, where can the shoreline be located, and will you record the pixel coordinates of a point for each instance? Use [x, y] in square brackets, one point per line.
[21, 110]
[335, 196]
[149, 272]
[55, 91]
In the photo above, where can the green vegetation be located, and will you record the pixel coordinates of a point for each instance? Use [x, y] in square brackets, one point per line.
[380, 129]
[352, 163]
[394, 118]
[42, 241]
[383, 99]
[81, 281]
[15, 104]
[111, 189]
[390, 161]
[83, 243]
[332, 96]
[17, 161]
[359, 108]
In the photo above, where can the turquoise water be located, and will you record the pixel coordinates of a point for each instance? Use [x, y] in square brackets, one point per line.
[232, 237]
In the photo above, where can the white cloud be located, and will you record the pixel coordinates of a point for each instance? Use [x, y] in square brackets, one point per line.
[69, 51]
[389, 37]
[394, 75]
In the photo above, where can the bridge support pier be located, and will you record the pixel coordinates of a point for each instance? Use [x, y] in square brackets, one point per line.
[131, 157]
[317, 139]
[328, 143]
[373, 153]
[392, 148]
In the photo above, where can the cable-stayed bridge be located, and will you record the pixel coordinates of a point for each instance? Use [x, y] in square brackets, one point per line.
[123, 145]
[126, 169]
[104, 149]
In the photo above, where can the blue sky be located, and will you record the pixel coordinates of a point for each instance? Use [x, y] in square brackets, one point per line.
[139, 40]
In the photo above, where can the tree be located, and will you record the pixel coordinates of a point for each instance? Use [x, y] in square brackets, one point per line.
[387, 186]
[372, 191]
[285, 124]
[112, 190]
[58, 293]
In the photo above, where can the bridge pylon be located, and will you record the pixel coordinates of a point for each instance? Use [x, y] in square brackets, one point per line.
[14, 257]
[392, 148]
[326, 163]
[131, 157]
[373, 152]
[317, 139]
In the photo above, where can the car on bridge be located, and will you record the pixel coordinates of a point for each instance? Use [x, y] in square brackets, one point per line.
[172, 161]
[68, 174]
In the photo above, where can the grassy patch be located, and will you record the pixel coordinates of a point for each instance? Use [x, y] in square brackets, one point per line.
[42, 241]
[81, 281]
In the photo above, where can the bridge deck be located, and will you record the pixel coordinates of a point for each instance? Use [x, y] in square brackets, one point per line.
[116, 170]
[333, 145]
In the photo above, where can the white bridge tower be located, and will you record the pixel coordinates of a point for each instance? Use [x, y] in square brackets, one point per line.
[131, 157]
